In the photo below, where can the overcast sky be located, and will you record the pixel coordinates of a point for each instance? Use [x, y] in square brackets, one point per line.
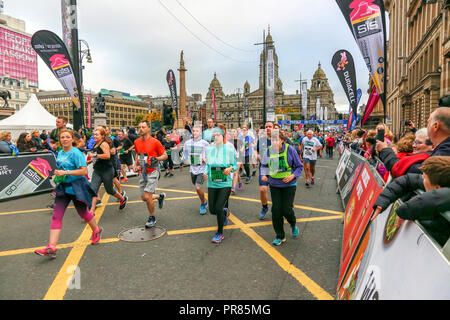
[134, 42]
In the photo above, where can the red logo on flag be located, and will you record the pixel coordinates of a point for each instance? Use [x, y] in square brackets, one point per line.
[58, 60]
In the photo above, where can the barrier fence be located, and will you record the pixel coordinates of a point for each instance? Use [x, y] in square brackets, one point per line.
[388, 258]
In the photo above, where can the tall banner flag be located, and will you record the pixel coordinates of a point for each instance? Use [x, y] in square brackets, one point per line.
[173, 90]
[352, 119]
[344, 66]
[367, 22]
[371, 103]
[214, 104]
[89, 110]
[270, 85]
[304, 92]
[54, 52]
[69, 22]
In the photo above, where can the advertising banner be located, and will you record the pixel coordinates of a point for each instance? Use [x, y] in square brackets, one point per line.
[357, 215]
[53, 51]
[304, 93]
[371, 103]
[367, 23]
[170, 77]
[312, 121]
[214, 104]
[352, 120]
[270, 86]
[17, 57]
[69, 22]
[396, 259]
[26, 174]
[344, 66]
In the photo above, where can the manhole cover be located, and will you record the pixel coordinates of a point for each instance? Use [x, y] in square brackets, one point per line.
[140, 234]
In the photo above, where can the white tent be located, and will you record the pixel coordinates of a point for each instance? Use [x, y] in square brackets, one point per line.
[32, 116]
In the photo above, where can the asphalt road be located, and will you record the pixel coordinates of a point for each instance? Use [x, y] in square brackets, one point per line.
[183, 263]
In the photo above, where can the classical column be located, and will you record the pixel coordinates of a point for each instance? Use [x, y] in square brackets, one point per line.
[181, 119]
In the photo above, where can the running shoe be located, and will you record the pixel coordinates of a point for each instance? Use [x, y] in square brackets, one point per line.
[240, 186]
[171, 175]
[254, 173]
[167, 173]
[307, 183]
[278, 242]
[96, 235]
[263, 213]
[203, 207]
[124, 180]
[151, 222]
[123, 193]
[233, 190]
[226, 214]
[99, 203]
[123, 203]
[295, 231]
[312, 181]
[48, 251]
[217, 238]
[247, 181]
[161, 198]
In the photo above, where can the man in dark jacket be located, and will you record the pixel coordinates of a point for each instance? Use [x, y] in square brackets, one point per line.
[426, 207]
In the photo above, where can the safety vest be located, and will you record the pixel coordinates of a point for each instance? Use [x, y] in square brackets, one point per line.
[278, 164]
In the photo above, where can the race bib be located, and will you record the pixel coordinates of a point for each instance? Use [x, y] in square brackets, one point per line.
[308, 152]
[196, 160]
[278, 165]
[217, 174]
[142, 159]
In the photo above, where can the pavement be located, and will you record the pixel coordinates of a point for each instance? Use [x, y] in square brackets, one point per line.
[183, 264]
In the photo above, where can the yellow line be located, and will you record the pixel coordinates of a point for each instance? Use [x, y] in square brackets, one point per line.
[295, 206]
[59, 286]
[25, 211]
[284, 263]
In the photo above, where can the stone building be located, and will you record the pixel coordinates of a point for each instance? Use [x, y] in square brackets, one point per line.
[247, 107]
[121, 108]
[418, 59]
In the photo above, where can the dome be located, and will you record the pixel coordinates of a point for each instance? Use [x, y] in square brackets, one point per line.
[214, 82]
[319, 72]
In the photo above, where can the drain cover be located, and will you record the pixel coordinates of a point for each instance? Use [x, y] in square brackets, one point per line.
[140, 234]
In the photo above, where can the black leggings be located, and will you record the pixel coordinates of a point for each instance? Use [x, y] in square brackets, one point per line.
[247, 165]
[282, 207]
[168, 163]
[217, 201]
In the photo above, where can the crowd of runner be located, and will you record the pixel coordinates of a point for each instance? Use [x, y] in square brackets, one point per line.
[222, 159]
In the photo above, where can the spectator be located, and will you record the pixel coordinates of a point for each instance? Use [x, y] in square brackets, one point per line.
[35, 137]
[44, 135]
[426, 207]
[132, 134]
[388, 135]
[61, 123]
[25, 144]
[439, 131]
[5, 142]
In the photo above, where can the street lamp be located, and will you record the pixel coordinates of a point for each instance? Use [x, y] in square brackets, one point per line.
[83, 54]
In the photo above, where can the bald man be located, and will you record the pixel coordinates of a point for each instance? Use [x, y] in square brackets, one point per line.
[439, 131]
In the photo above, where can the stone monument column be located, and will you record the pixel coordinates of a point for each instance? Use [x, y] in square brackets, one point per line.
[181, 119]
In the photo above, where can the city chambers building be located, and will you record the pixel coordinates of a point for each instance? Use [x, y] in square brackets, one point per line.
[236, 109]
[418, 56]
[121, 108]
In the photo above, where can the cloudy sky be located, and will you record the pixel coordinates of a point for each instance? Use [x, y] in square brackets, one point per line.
[134, 42]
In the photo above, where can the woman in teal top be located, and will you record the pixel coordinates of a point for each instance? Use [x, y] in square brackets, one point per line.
[220, 163]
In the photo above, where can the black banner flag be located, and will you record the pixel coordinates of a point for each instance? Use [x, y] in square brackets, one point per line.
[173, 90]
[54, 52]
[344, 66]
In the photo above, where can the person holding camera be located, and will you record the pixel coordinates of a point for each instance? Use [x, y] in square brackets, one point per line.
[149, 151]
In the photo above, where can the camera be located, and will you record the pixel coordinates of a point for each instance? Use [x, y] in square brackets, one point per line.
[407, 122]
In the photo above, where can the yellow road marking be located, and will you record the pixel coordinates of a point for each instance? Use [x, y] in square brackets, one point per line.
[59, 286]
[284, 263]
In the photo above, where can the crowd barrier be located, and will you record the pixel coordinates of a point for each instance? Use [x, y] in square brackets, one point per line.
[388, 258]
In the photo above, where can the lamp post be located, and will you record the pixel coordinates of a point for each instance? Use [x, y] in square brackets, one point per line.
[83, 54]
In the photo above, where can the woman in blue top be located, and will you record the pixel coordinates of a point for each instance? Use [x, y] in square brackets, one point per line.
[220, 163]
[72, 186]
[281, 167]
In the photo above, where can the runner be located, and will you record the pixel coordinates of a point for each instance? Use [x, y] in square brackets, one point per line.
[169, 144]
[239, 147]
[104, 170]
[263, 143]
[220, 163]
[248, 151]
[283, 165]
[126, 158]
[72, 185]
[149, 151]
[194, 151]
[207, 134]
[330, 141]
[309, 146]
